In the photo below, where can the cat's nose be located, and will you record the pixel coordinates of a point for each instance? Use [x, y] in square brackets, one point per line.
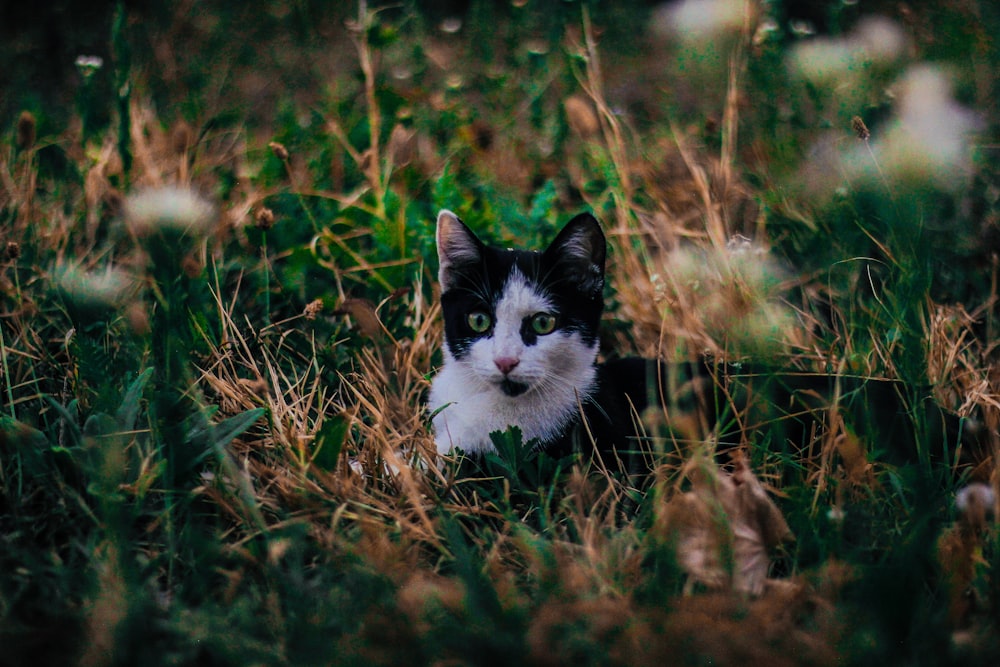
[506, 364]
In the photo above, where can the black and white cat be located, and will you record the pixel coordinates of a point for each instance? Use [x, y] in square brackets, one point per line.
[521, 345]
[521, 342]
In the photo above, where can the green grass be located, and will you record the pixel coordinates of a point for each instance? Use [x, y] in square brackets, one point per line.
[213, 445]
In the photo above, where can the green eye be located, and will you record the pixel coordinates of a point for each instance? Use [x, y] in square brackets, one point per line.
[543, 323]
[479, 321]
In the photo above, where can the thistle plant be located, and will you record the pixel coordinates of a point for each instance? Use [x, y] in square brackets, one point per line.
[172, 226]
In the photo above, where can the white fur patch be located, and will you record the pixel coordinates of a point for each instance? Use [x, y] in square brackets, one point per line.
[558, 370]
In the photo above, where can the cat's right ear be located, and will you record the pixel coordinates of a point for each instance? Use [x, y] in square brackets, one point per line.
[580, 250]
[457, 247]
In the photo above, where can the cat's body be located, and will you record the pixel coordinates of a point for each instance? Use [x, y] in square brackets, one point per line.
[521, 344]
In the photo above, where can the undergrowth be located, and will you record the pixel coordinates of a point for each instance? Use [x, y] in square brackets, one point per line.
[219, 321]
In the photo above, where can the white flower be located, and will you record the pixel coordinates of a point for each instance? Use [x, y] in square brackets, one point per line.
[930, 137]
[839, 62]
[699, 19]
[169, 209]
[108, 287]
[88, 65]
[974, 495]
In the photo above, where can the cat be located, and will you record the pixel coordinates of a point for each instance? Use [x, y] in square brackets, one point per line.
[521, 343]
[520, 335]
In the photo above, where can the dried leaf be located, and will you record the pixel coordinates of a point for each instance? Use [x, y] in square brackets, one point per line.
[581, 116]
[852, 453]
[402, 145]
[725, 527]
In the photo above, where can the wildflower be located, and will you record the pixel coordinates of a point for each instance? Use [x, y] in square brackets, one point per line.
[976, 503]
[88, 65]
[169, 209]
[840, 61]
[765, 31]
[93, 288]
[960, 547]
[537, 47]
[930, 138]
[733, 293]
[450, 25]
[13, 250]
[697, 19]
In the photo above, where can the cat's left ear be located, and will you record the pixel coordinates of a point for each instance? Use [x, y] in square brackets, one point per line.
[580, 250]
[457, 247]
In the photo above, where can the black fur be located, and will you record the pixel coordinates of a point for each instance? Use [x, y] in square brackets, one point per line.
[736, 406]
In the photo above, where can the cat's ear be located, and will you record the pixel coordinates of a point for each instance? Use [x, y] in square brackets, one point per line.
[457, 246]
[580, 249]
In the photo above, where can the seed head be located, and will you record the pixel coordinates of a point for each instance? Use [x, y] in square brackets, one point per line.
[264, 218]
[860, 129]
[137, 318]
[313, 308]
[26, 127]
[279, 150]
[191, 266]
[13, 250]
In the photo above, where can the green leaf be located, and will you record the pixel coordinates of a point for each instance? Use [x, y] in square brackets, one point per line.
[543, 204]
[129, 410]
[225, 431]
[68, 415]
[100, 425]
[330, 442]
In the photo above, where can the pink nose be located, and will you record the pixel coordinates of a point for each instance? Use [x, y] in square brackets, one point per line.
[506, 364]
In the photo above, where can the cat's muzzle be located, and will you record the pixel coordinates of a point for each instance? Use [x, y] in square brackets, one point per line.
[511, 388]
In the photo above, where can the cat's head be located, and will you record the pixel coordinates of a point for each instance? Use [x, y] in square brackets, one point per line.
[522, 320]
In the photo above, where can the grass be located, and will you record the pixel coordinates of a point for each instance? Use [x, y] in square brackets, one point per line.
[219, 321]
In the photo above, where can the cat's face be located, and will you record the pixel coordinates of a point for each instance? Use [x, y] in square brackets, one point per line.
[521, 321]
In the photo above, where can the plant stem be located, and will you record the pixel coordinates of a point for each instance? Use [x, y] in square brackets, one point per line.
[6, 375]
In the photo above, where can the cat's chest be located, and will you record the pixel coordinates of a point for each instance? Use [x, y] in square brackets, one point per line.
[468, 411]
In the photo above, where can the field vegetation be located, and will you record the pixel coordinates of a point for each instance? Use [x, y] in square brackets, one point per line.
[218, 322]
